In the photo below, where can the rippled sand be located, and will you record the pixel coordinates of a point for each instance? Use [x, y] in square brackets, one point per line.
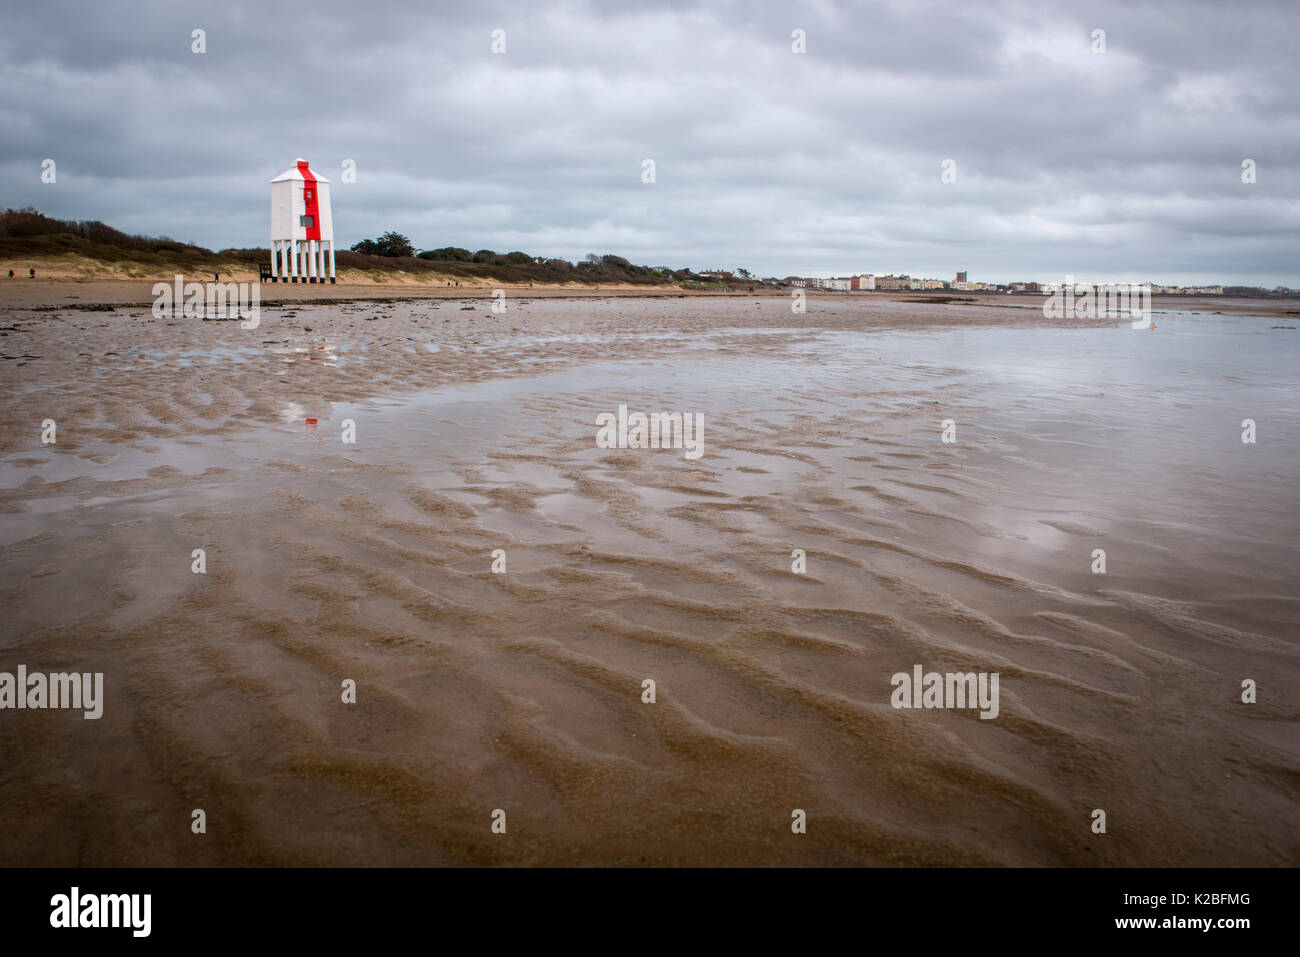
[522, 691]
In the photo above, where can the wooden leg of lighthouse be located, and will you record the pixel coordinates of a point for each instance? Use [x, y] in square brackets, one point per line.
[293, 259]
[310, 253]
[331, 260]
[273, 274]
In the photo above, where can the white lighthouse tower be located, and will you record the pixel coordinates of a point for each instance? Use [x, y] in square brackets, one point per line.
[301, 226]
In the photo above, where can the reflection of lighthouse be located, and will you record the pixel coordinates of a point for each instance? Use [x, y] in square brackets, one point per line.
[301, 226]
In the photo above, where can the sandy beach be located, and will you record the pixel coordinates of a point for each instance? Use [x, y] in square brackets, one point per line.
[476, 691]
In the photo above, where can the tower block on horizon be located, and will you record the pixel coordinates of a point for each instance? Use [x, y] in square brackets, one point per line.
[301, 226]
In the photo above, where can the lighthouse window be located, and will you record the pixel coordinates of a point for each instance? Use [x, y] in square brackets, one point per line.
[307, 194]
[308, 221]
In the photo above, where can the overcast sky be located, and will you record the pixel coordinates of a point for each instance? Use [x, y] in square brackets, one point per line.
[1122, 165]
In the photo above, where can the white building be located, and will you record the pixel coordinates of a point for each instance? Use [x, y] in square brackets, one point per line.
[302, 228]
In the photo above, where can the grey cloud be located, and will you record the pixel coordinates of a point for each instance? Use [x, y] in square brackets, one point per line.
[821, 163]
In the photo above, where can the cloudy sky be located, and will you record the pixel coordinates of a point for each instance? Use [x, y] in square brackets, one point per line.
[1122, 165]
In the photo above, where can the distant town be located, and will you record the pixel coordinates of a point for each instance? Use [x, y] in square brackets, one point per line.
[869, 282]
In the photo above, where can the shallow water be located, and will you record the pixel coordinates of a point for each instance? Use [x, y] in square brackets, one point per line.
[522, 690]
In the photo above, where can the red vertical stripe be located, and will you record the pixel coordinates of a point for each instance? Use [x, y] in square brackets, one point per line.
[311, 200]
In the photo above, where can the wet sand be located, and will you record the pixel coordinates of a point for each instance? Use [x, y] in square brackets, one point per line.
[522, 691]
[139, 292]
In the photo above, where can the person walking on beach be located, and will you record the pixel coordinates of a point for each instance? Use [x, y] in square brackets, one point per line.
[11, 274]
[33, 273]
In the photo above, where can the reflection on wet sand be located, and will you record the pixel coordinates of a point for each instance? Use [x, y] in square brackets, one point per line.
[522, 691]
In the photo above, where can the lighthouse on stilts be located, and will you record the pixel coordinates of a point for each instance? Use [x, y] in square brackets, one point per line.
[302, 228]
